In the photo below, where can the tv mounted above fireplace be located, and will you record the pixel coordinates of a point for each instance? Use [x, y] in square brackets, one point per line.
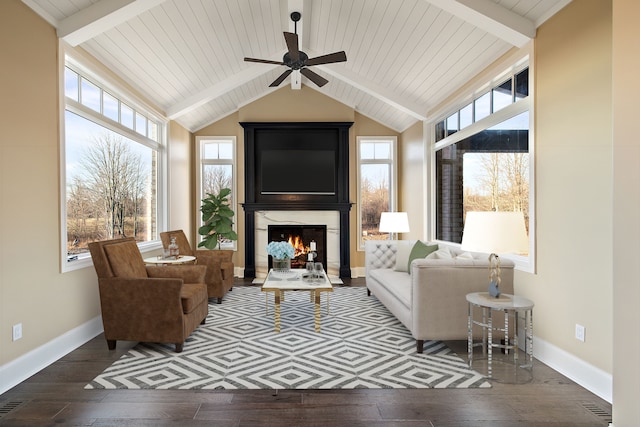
[306, 170]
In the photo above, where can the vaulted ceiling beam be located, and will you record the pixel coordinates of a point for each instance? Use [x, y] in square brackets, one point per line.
[251, 72]
[492, 18]
[100, 17]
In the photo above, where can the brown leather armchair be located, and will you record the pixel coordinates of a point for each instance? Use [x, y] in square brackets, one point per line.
[219, 263]
[147, 303]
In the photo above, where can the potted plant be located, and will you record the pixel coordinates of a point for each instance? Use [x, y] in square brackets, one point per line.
[217, 220]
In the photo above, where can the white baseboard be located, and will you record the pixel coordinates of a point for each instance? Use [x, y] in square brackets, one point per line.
[18, 370]
[588, 376]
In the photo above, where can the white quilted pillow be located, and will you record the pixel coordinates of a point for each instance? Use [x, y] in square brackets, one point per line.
[402, 255]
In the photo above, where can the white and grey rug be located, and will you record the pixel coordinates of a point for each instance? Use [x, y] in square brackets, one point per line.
[360, 345]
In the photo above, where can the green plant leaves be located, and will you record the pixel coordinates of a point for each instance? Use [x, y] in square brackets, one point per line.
[216, 216]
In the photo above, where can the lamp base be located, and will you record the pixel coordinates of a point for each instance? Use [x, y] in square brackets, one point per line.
[494, 289]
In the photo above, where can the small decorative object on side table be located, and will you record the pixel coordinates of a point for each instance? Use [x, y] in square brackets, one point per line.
[512, 306]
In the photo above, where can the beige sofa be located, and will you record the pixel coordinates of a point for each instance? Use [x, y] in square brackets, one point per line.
[430, 298]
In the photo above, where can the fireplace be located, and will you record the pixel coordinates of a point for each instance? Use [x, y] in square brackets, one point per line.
[303, 238]
[321, 192]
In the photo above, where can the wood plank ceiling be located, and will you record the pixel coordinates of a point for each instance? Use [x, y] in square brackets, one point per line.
[403, 56]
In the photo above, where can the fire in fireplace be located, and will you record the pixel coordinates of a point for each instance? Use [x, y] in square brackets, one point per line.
[302, 238]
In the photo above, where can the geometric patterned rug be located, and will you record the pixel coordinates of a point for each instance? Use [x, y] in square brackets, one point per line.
[360, 345]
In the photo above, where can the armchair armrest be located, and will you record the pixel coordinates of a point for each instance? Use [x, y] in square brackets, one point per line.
[187, 273]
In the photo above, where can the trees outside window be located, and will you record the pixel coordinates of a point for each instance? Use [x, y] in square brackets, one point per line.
[376, 190]
[216, 156]
[488, 166]
[112, 166]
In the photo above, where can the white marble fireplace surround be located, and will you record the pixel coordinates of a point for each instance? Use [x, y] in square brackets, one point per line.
[329, 218]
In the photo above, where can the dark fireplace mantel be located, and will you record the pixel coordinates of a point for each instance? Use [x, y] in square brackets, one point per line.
[335, 135]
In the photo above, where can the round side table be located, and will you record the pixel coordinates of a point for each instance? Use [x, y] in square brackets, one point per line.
[158, 260]
[511, 306]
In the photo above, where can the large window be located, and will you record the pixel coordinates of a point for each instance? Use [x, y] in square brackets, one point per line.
[217, 157]
[112, 163]
[377, 184]
[483, 160]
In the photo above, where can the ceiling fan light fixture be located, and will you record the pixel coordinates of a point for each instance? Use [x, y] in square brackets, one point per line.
[297, 60]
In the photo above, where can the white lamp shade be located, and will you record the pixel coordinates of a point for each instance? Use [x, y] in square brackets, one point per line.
[394, 222]
[495, 232]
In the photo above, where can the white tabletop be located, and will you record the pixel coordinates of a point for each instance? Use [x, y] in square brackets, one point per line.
[182, 259]
[504, 302]
[293, 281]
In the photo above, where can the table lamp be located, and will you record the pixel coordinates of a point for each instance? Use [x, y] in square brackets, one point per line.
[495, 232]
[394, 222]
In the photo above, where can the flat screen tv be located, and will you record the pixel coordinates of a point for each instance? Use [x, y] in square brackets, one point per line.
[297, 171]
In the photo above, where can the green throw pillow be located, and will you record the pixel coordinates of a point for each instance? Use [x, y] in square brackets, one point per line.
[420, 250]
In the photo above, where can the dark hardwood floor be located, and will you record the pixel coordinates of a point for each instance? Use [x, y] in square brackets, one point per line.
[56, 396]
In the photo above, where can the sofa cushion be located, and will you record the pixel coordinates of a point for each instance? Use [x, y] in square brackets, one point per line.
[396, 282]
[192, 295]
[403, 250]
[125, 260]
[420, 250]
[443, 253]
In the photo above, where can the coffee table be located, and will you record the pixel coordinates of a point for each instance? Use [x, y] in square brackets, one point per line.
[279, 283]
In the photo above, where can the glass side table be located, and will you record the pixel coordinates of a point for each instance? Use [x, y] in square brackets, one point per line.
[512, 306]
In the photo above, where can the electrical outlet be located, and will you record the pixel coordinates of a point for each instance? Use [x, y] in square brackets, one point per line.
[580, 330]
[17, 331]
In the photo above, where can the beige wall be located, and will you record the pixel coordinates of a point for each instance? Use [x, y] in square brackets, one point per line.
[626, 212]
[180, 180]
[286, 105]
[412, 180]
[32, 289]
[573, 183]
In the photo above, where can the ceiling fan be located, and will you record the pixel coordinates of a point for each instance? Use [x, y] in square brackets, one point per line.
[296, 59]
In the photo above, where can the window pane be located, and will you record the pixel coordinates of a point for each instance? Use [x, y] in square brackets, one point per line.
[153, 131]
[126, 115]
[110, 106]
[90, 95]
[374, 194]
[141, 124]
[367, 151]
[502, 96]
[452, 123]
[226, 150]
[440, 131]
[466, 116]
[96, 158]
[216, 177]
[71, 84]
[382, 150]
[487, 171]
[522, 84]
[482, 107]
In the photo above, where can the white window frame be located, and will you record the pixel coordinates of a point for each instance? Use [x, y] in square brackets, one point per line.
[523, 263]
[70, 57]
[201, 161]
[393, 178]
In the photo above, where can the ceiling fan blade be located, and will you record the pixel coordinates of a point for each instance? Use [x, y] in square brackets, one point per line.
[316, 78]
[280, 79]
[264, 61]
[292, 45]
[327, 59]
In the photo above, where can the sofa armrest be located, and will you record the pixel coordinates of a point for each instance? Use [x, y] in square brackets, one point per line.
[439, 289]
